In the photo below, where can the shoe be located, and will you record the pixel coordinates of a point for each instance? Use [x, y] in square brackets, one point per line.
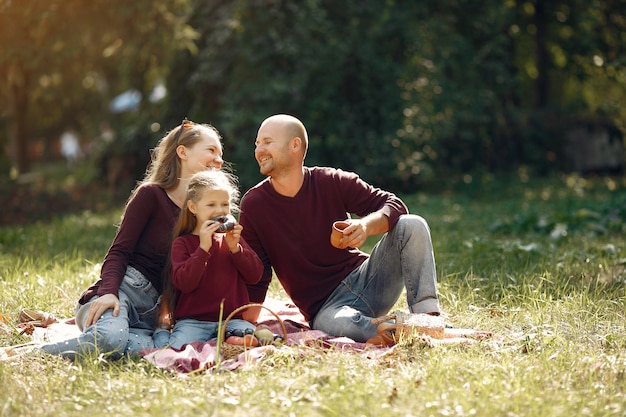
[386, 335]
[15, 352]
[36, 318]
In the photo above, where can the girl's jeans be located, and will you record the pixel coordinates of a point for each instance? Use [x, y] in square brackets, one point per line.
[191, 330]
[128, 333]
[403, 258]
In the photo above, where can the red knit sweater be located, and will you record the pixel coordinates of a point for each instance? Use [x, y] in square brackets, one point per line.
[203, 279]
[292, 234]
[142, 241]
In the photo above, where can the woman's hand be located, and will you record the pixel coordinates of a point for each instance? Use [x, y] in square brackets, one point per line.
[100, 305]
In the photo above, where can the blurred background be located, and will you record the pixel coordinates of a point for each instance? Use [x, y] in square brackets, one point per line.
[412, 95]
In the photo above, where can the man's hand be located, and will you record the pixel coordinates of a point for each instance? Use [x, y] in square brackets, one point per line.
[354, 235]
[100, 305]
[359, 230]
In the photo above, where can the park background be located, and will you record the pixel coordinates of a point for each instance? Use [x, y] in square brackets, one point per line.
[500, 121]
[412, 95]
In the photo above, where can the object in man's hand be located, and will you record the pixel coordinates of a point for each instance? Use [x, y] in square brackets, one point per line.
[227, 222]
[337, 233]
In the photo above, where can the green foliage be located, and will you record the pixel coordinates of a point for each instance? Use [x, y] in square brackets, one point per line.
[405, 93]
[63, 61]
[333, 65]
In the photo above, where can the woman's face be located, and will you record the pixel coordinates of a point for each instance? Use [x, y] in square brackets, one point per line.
[205, 154]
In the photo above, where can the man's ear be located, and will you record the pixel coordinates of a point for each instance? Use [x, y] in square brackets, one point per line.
[296, 143]
[181, 151]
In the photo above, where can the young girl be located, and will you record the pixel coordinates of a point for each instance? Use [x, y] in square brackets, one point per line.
[209, 266]
[117, 314]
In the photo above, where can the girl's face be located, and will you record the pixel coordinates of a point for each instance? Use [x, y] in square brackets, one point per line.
[206, 153]
[213, 203]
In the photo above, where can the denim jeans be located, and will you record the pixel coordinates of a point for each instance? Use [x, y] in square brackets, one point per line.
[403, 258]
[191, 330]
[128, 333]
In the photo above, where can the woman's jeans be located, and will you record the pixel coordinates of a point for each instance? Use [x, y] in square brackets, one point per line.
[403, 258]
[191, 330]
[128, 333]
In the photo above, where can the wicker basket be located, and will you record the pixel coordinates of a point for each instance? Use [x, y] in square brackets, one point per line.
[229, 351]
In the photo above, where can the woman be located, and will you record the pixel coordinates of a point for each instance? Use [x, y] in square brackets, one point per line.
[118, 313]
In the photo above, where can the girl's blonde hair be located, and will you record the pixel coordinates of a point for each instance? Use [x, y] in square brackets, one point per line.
[199, 183]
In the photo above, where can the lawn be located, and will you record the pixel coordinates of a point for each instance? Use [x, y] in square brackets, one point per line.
[540, 262]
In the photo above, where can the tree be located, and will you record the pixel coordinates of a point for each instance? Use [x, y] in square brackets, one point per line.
[63, 60]
[495, 84]
[333, 64]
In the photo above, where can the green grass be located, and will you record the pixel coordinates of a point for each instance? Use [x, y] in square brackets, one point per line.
[541, 262]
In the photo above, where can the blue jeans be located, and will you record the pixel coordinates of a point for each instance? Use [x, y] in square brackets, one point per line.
[128, 333]
[403, 258]
[191, 330]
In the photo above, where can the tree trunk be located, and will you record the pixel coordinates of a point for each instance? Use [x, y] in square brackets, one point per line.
[19, 93]
[541, 56]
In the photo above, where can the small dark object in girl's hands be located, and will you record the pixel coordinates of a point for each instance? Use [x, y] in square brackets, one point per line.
[227, 222]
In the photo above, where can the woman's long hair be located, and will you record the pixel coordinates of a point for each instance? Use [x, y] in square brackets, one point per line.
[165, 166]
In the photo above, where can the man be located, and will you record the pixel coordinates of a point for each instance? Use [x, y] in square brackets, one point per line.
[287, 220]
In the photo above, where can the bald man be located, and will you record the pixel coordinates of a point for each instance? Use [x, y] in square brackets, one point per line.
[287, 220]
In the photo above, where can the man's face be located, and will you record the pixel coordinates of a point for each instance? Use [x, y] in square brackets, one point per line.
[272, 149]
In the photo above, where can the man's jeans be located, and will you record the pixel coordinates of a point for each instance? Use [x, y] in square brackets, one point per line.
[403, 258]
[128, 333]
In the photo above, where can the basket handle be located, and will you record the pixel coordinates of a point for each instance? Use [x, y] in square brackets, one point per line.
[245, 307]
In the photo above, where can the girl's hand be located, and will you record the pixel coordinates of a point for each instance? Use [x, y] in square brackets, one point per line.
[233, 237]
[100, 305]
[206, 234]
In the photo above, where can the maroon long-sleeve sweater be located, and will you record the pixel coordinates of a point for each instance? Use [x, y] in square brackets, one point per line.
[292, 234]
[203, 279]
[142, 241]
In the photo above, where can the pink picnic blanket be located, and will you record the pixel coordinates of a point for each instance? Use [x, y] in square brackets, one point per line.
[200, 356]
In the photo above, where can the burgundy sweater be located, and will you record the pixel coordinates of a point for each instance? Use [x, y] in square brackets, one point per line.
[203, 279]
[142, 241]
[292, 234]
